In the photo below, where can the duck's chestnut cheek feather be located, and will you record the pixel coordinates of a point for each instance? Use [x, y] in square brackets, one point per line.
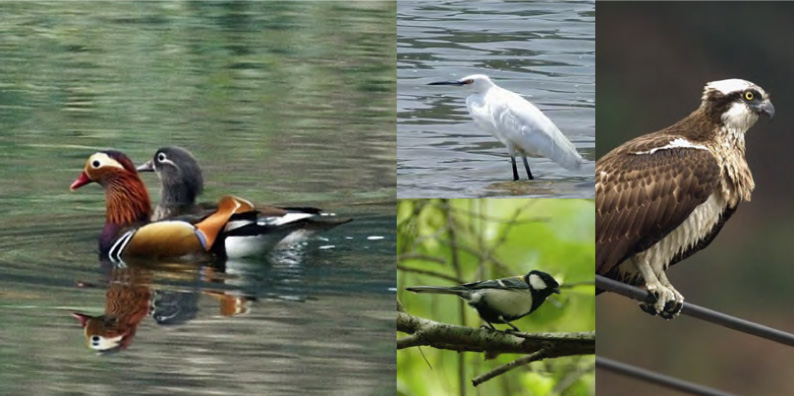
[82, 180]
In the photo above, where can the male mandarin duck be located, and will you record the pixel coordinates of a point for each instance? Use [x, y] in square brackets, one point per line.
[182, 181]
[127, 302]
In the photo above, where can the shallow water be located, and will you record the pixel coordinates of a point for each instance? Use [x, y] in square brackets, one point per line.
[268, 97]
[543, 51]
[315, 318]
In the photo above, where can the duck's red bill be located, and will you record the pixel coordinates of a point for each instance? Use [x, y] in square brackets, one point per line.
[83, 318]
[80, 181]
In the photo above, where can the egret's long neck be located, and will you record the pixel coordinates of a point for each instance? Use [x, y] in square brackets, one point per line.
[484, 86]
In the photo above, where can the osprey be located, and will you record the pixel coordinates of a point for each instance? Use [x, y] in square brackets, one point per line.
[663, 196]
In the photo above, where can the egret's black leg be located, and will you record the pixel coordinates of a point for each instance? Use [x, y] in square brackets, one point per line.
[515, 170]
[526, 166]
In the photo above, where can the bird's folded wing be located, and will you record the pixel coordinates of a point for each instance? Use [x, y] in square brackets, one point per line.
[515, 282]
[643, 194]
[163, 239]
[526, 126]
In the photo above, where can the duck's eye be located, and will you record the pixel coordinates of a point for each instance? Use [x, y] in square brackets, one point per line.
[161, 157]
[95, 163]
[749, 95]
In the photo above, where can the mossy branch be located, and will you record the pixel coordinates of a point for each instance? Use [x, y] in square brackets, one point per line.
[425, 332]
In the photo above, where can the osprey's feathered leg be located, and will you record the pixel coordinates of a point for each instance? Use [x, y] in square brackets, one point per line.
[526, 166]
[664, 298]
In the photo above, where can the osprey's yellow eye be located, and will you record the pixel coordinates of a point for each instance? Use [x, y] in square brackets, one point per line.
[749, 95]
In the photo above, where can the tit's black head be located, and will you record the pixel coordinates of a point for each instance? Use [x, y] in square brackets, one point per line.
[541, 283]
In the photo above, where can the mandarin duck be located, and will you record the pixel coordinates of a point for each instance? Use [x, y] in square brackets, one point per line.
[131, 297]
[128, 233]
[127, 302]
[182, 181]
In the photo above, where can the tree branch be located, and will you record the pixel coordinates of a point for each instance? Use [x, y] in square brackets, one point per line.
[533, 357]
[422, 257]
[445, 205]
[576, 284]
[430, 273]
[425, 332]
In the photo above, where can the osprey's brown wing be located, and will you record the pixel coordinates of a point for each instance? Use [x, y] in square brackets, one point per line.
[640, 198]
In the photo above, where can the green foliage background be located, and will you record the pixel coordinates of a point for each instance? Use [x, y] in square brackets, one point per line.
[494, 238]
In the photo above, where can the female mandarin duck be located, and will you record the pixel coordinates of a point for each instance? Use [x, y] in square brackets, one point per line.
[129, 234]
[182, 181]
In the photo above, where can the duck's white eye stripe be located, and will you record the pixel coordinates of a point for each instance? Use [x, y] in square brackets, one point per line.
[101, 159]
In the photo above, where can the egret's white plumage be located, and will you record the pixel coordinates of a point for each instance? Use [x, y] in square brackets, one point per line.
[517, 123]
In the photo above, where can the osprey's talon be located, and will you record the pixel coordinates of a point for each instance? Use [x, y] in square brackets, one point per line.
[648, 308]
[673, 307]
[669, 314]
[662, 300]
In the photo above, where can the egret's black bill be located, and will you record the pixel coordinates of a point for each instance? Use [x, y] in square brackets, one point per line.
[447, 83]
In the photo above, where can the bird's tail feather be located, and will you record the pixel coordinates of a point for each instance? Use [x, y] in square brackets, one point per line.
[565, 154]
[436, 290]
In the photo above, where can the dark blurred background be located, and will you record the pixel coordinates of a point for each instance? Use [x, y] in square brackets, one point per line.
[653, 60]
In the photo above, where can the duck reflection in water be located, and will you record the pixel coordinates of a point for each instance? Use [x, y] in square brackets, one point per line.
[133, 295]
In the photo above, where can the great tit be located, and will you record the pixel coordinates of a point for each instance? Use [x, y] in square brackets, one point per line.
[502, 300]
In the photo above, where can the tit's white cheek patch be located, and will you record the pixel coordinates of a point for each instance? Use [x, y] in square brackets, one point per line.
[536, 282]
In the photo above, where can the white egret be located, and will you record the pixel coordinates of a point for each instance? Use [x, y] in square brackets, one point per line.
[517, 123]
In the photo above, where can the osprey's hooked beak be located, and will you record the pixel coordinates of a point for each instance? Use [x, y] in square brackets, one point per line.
[765, 107]
[456, 82]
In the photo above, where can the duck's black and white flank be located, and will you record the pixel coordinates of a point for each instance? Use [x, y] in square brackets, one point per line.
[244, 236]
[502, 300]
[517, 123]
[663, 196]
